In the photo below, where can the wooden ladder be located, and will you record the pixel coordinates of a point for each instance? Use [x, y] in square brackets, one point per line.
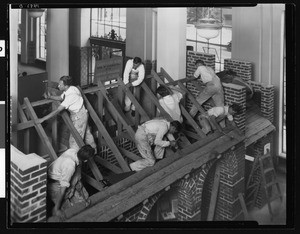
[268, 180]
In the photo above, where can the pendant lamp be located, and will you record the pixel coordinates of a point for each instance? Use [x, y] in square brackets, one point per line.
[208, 27]
[35, 13]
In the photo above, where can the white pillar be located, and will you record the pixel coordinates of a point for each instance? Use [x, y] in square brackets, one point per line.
[139, 31]
[57, 43]
[13, 68]
[171, 41]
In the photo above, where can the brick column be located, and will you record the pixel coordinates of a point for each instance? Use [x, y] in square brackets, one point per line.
[236, 94]
[231, 184]
[267, 102]
[242, 68]
[191, 58]
[28, 187]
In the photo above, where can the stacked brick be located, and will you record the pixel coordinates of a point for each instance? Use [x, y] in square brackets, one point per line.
[243, 69]
[28, 187]
[233, 93]
[232, 183]
[236, 94]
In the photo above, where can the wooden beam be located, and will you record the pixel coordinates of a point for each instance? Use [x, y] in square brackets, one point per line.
[105, 134]
[23, 119]
[138, 106]
[139, 187]
[214, 193]
[108, 165]
[40, 130]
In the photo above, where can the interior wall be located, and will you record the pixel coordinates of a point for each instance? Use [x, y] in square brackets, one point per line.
[257, 37]
[57, 43]
[171, 41]
[139, 32]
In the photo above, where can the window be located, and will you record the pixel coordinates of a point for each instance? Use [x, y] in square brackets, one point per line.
[104, 20]
[19, 29]
[41, 36]
[220, 45]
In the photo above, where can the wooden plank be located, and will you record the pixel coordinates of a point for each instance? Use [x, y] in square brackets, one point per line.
[108, 165]
[22, 126]
[80, 143]
[137, 191]
[243, 205]
[116, 111]
[214, 194]
[154, 100]
[54, 131]
[128, 182]
[184, 112]
[91, 181]
[23, 119]
[137, 105]
[137, 96]
[195, 102]
[43, 136]
[105, 134]
[129, 154]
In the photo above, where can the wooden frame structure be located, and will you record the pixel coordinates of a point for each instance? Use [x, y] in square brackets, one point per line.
[110, 202]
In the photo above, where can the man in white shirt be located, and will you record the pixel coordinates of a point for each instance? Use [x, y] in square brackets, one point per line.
[133, 76]
[213, 87]
[169, 99]
[64, 175]
[151, 133]
[217, 111]
[72, 100]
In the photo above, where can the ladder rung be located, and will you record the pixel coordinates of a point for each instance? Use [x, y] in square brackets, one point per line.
[265, 156]
[268, 170]
[271, 183]
[275, 196]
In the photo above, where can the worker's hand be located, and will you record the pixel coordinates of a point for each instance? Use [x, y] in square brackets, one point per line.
[173, 144]
[59, 213]
[39, 121]
[128, 85]
[87, 202]
[47, 95]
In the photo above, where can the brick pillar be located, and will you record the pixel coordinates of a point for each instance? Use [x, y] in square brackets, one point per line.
[28, 187]
[191, 58]
[231, 184]
[236, 94]
[242, 68]
[267, 102]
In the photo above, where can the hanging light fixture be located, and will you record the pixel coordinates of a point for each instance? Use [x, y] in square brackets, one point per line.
[208, 27]
[35, 13]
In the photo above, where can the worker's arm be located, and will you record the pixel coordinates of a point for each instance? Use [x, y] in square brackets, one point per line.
[141, 76]
[56, 210]
[159, 137]
[126, 73]
[53, 97]
[51, 114]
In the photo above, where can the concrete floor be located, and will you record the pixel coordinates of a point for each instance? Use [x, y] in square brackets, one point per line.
[262, 215]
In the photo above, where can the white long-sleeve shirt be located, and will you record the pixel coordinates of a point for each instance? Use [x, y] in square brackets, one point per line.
[157, 129]
[72, 99]
[135, 76]
[170, 103]
[220, 110]
[63, 168]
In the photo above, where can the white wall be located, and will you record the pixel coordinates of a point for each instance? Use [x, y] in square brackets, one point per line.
[57, 43]
[171, 41]
[139, 31]
[257, 36]
[13, 69]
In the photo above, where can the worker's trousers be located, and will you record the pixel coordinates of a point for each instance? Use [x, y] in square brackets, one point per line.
[210, 91]
[80, 122]
[144, 142]
[128, 104]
